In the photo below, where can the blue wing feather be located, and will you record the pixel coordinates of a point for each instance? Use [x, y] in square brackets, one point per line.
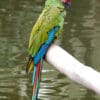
[45, 46]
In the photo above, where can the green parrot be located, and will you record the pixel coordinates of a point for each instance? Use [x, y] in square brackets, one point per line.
[46, 29]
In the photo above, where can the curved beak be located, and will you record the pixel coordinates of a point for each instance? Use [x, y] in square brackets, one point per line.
[67, 3]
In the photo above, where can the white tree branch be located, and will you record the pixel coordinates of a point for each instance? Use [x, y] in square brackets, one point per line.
[72, 68]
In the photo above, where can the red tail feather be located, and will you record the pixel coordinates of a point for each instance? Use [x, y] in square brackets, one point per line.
[36, 77]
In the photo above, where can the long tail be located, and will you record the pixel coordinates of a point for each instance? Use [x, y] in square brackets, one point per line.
[35, 77]
[36, 80]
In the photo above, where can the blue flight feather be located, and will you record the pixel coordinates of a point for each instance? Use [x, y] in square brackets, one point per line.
[45, 46]
[33, 76]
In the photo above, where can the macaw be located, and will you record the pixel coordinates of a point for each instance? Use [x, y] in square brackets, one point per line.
[46, 29]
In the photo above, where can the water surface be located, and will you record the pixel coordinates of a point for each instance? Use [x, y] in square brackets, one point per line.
[81, 38]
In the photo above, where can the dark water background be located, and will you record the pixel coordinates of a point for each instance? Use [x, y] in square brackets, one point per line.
[81, 38]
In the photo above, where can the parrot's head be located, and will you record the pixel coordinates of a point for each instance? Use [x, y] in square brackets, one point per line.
[67, 3]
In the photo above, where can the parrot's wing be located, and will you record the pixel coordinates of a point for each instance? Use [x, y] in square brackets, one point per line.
[49, 18]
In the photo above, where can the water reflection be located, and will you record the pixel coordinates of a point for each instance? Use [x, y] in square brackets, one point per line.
[80, 38]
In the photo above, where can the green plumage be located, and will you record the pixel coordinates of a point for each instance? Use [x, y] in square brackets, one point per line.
[48, 26]
[51, 16]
